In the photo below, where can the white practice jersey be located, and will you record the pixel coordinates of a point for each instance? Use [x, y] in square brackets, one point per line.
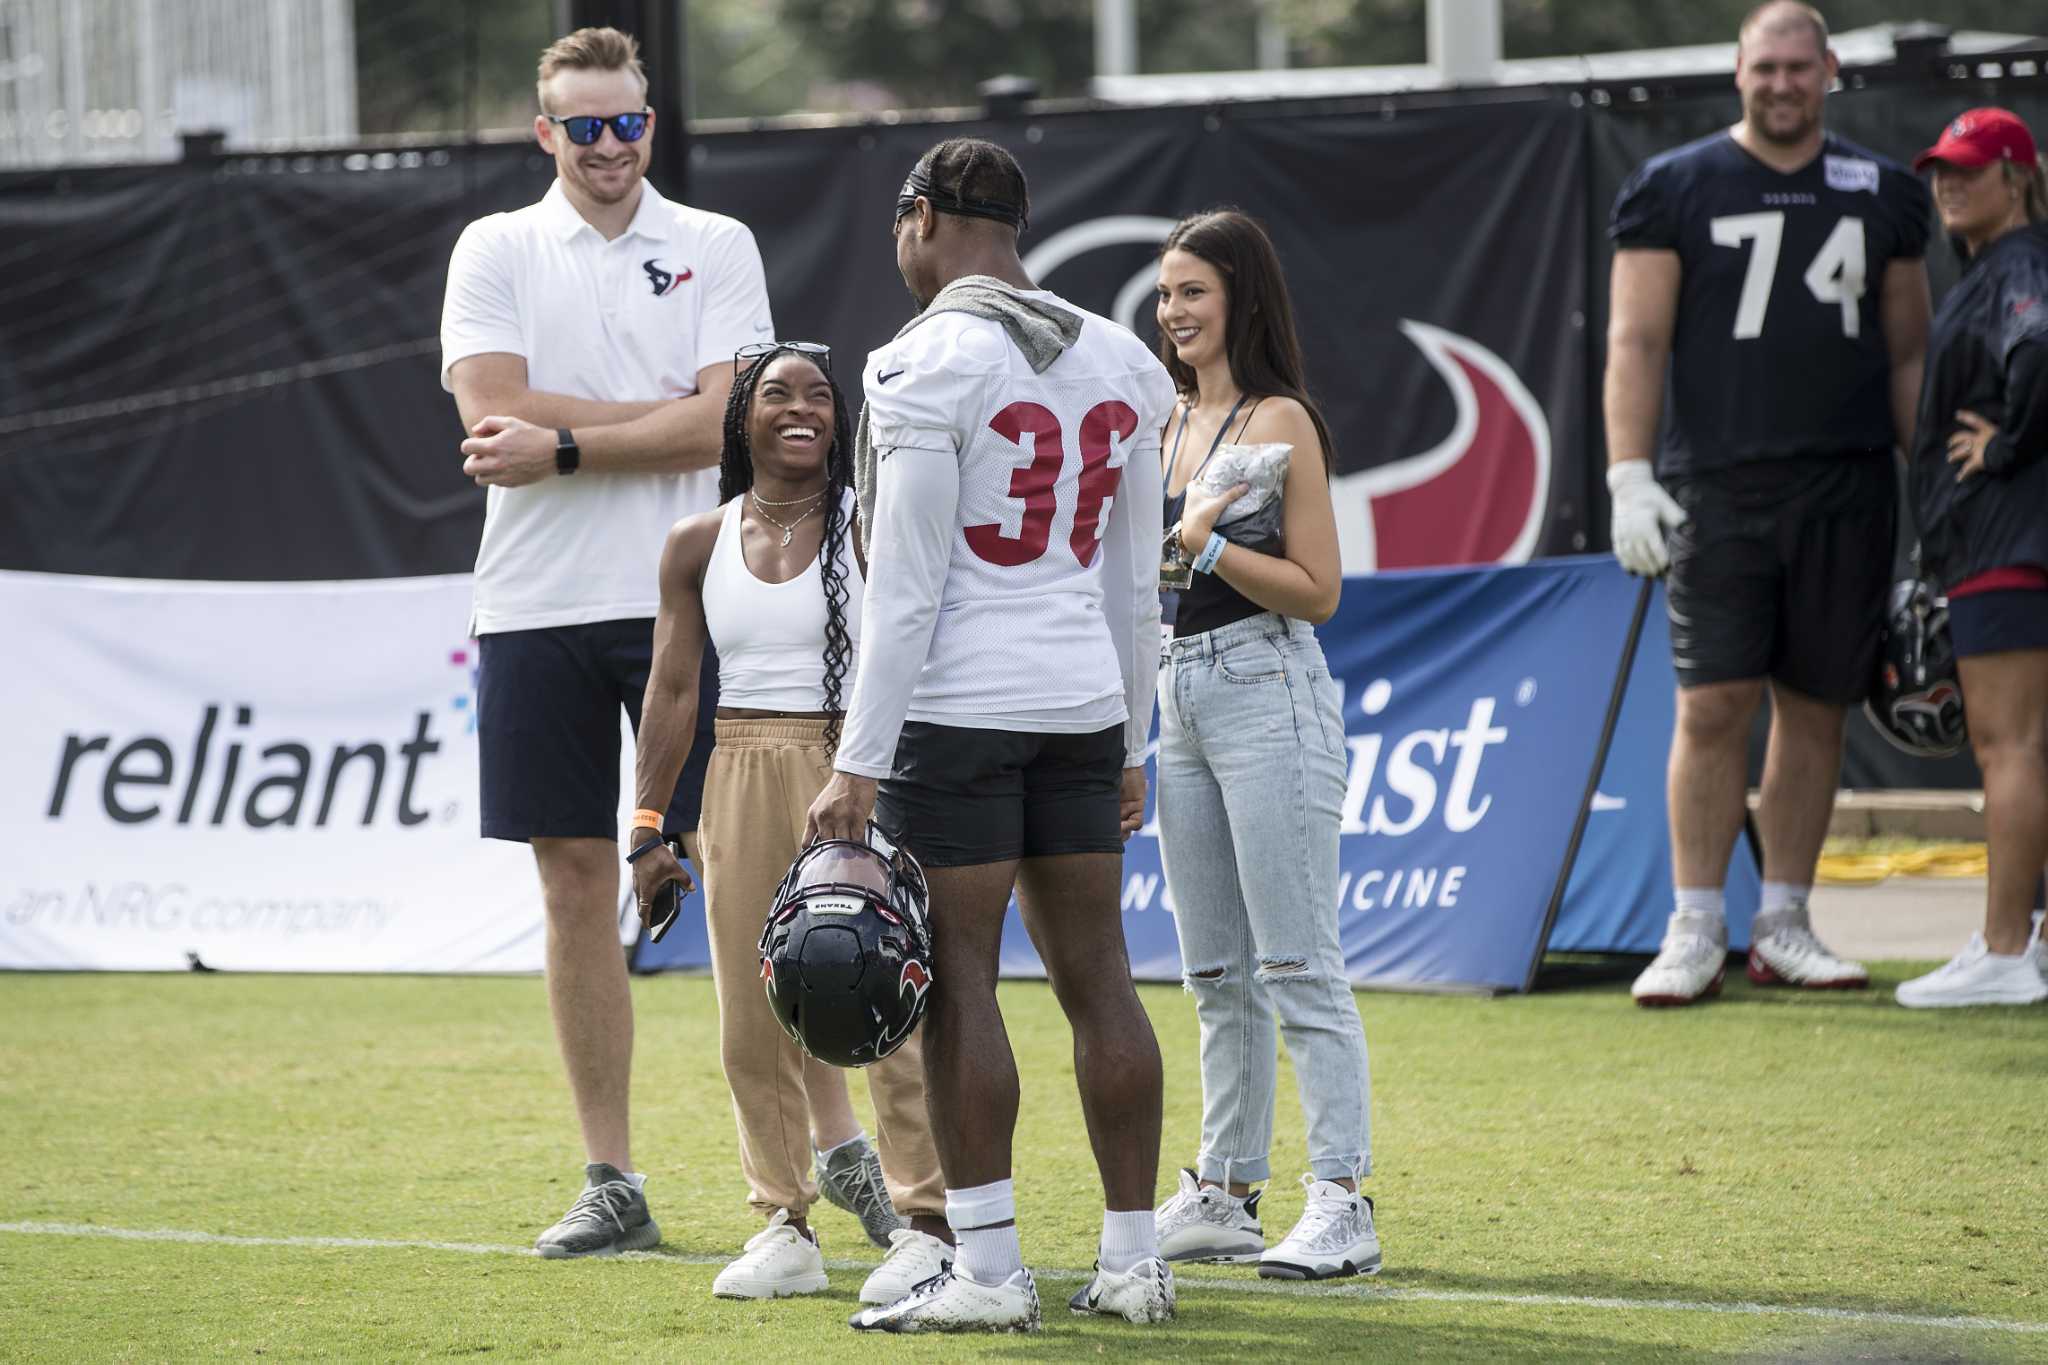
[1016, 538]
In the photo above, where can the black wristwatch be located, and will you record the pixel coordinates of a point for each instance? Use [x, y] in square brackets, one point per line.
[567, 456]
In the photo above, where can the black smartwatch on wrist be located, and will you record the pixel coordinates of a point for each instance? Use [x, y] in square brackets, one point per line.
[567, 456]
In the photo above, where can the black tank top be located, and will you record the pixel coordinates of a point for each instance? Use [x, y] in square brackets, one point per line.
[1209, 602]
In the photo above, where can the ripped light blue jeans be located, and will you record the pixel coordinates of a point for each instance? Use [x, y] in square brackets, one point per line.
[1251, 779]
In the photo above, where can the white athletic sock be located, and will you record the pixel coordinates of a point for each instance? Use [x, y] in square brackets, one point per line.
[1127, 1238]
[1782, 896]
[825, 1153]
[639, 1180]
[1701, 899]
[988, 1255]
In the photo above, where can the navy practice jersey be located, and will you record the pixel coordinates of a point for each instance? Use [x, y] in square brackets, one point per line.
[1778, 347]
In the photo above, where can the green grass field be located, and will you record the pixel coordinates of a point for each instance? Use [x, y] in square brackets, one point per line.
[1559, 1176]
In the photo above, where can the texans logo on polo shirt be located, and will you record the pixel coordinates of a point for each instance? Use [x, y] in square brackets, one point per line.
[662, 280]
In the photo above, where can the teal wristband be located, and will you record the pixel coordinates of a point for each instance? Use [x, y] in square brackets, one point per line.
[1211, 552]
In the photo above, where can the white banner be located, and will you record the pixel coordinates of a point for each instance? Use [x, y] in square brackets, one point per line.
[267, 777]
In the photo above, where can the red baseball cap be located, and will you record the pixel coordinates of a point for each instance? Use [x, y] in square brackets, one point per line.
[1979, 137]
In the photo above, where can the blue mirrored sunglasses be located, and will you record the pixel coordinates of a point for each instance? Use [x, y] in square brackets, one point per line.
[584, 129]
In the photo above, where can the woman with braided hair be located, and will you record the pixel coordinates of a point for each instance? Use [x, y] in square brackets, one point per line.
[774, 579]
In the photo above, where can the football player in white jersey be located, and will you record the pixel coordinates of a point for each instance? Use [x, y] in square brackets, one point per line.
[999, 721]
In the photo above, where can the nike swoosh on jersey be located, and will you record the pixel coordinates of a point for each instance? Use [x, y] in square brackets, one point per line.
[885, 378]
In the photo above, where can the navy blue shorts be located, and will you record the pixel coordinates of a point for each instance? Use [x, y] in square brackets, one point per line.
[547, 722]
[961, 797]
[1999, 620]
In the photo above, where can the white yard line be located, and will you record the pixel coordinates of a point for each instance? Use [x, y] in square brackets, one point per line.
[1356, 1289]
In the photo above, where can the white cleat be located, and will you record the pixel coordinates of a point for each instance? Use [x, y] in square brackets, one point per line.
[1203, 1223]
[1690, 964]
[1784, 952]
[1978, 976]
[1144, 1293]
[913, 1258]
[1334, 1237]
[779, 1261]
[953, 1303]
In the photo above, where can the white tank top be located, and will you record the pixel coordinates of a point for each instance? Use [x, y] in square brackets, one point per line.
[770, 637]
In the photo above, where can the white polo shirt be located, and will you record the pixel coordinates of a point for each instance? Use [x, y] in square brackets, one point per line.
[632, 319]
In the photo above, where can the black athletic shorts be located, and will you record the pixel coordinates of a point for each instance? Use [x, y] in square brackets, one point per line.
[547, 722]
[1999, 620]
[1782, 571]
[960, 797]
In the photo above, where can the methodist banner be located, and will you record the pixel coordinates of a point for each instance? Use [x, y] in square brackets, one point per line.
[258, 777]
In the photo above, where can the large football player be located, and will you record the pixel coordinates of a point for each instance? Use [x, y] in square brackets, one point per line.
[998, 725]
[1773, 274]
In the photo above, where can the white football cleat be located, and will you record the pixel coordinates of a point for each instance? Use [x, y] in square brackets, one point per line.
[1784, 952]
[1690, 964]
[913, 1258]
[1144, 1293]
[1335, 1236]
[1203, 1223]
[954, 1303]
[1978, 976]
[779, 1261]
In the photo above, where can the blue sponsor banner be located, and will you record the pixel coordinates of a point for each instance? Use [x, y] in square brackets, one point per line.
[1473, 703]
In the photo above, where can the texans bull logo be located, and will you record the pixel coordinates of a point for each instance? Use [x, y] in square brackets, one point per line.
[913, 981]
[1476, 497]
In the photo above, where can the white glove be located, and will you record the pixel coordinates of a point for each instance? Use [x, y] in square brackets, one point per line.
[1643, 512]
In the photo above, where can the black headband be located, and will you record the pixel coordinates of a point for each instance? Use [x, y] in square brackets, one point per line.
[920, 184]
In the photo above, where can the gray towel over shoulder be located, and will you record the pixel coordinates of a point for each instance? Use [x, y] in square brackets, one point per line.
[1040, 328]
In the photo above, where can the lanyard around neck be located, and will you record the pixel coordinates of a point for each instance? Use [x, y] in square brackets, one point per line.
[1174, 458]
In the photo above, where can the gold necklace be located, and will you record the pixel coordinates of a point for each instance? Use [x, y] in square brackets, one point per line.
[788, 529]
[760, 501]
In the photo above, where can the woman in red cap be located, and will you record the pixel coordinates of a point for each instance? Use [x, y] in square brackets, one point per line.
[1980, 489]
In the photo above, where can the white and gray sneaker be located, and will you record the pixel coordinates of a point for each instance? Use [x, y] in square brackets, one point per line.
[1978, 976]
[1784, 952]
[1334, 1237]
[610, 1216]
[1144, 1293]
[851, 1179]
[778, 1261]
[913, 1258]
[1203, 1223]
[953, 1303]
[1690, 964]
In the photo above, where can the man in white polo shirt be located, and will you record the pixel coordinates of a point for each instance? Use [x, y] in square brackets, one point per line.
[588, 340]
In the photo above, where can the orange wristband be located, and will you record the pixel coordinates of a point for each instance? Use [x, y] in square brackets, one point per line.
[647, 819]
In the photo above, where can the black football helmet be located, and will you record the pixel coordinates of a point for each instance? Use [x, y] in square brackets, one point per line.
[846, 954]
[1915, 700]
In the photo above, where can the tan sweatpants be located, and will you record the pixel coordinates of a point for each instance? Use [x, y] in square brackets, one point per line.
[764, 774]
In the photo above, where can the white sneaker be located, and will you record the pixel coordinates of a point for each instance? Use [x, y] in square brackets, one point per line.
[1144, 1293]
[1978, 976]
[1334, 1237]
[1690, 964]
[913, 1258]
[1784, 952]
[1203, 1223]
[778, 1261]
[954, 1303]
[2040, 948]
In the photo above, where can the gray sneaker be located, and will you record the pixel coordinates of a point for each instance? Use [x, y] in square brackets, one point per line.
[851, 1179]
[610, 1216]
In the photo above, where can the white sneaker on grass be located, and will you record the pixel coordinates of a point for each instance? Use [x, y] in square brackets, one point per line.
[1978, 976]
[1144, 1293]
[954, 1303]
[1334, 1237]
[1690, 964]
[1203, 1223]
[779, 1261]
[1784, 952]
[913, 1258]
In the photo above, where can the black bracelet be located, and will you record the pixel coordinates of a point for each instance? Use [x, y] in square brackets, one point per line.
[656, 842]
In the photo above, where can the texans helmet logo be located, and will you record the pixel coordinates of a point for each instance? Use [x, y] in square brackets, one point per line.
[768, 974]
[914, 980]
[662, 280]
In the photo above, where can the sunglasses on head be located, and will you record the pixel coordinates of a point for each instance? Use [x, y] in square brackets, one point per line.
[812, 350]
[585, 129]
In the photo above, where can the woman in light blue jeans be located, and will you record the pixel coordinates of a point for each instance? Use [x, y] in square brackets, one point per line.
[1252, 771]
